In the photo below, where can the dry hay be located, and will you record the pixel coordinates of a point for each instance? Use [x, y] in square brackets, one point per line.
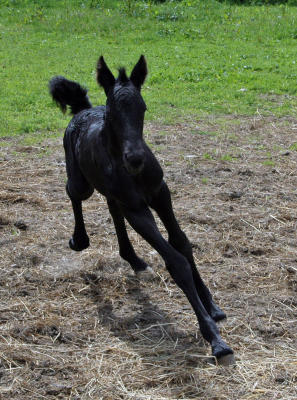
[80, 326]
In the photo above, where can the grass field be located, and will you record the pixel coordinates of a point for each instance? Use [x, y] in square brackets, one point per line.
[203, 57]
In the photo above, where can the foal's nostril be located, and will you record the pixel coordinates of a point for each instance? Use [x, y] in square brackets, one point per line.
[136, 162]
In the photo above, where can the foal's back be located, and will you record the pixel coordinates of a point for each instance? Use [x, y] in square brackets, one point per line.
[80, 124]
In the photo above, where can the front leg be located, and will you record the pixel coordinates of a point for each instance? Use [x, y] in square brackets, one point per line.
[125, 247]
[162, 204]
[143, 222]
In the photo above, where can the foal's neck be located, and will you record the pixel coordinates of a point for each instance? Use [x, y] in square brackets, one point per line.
[110, 141]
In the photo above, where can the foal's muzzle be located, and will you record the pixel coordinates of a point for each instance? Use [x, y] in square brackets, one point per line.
[134, 162]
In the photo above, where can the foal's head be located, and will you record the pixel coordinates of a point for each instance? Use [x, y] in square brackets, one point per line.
[125, 110]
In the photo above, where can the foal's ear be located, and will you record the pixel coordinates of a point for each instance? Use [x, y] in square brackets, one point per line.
[104, 75]
[139, 72]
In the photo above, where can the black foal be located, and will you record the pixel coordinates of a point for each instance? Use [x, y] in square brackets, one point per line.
[105, 150]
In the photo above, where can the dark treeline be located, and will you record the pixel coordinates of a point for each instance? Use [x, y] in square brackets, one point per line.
[260, 2]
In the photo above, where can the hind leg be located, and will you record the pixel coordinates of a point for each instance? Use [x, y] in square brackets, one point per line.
[77, 188]
[178, 266]
[80, 239]
[163, 206]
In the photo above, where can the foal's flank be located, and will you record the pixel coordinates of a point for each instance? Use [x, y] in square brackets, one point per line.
[105, 150]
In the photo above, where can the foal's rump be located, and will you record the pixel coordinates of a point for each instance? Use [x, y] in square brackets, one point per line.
[69, 93]
[83, 160]
[77, 185]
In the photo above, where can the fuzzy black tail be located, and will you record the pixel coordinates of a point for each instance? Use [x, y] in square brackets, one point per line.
[70, 93]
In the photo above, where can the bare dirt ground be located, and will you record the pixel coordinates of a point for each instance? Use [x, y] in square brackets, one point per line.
[80, 326]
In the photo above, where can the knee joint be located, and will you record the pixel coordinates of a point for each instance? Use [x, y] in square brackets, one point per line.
[79, 193]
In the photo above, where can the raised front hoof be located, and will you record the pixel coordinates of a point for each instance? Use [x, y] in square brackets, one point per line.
[146, 274]
[223, 354]
[79, 246]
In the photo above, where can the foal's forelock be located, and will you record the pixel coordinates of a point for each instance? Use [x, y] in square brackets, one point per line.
[127, 95]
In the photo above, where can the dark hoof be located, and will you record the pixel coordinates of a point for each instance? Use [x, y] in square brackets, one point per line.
[223, 353]
[217, 314]
[137, 264]
[79, 246]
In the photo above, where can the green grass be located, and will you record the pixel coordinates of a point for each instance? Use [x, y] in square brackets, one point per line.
[207, 156]
[269, 163]
[204, 57]
[227, 157]
[293, 146]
